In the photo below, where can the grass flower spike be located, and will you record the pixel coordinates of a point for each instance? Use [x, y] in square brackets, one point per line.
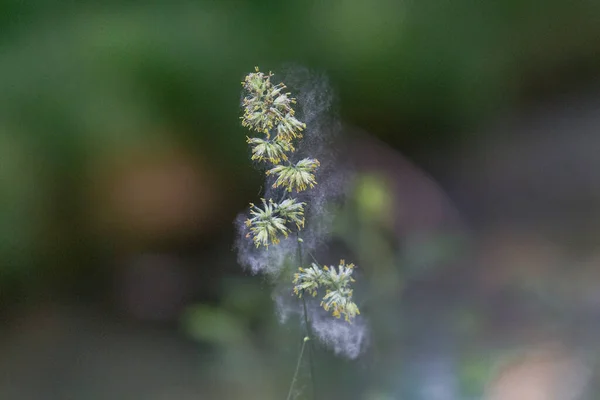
[340, 302]
[339, 295]
[336, 282]
[273, 151]
[308, 280]
[296, 177]
[289, 128]
[266, 106]
[292, 211]
[268, 110]
[266, 224]
[341, 278]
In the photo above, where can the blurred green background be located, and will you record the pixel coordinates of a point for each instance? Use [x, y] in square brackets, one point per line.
[123, 166]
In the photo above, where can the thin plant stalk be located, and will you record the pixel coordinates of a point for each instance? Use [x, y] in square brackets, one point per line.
[289, 396]
[307, 328]
[310, 350]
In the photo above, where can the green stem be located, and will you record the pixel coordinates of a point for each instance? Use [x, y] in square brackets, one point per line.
[289, 396]
[313, 257]
[310, 350]
[307, 324]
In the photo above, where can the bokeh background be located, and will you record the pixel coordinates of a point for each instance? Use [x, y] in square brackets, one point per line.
[473, 213]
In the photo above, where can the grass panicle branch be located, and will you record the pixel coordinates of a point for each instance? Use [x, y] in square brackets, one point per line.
[298, 177]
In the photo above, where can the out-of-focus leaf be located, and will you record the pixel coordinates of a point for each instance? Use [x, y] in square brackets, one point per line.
[373, 197]
[213, 325]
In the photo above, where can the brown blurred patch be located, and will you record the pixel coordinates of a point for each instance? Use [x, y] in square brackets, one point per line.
[549, 371]
[513, 256]
[152, 192]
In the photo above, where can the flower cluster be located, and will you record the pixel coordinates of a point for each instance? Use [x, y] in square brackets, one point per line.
[270, 221]
[336, 282]
[272, 151]
[268, 110]
[267, 107]
[297, 176]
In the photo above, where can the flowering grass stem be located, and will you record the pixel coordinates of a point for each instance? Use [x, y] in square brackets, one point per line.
[268, 111]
